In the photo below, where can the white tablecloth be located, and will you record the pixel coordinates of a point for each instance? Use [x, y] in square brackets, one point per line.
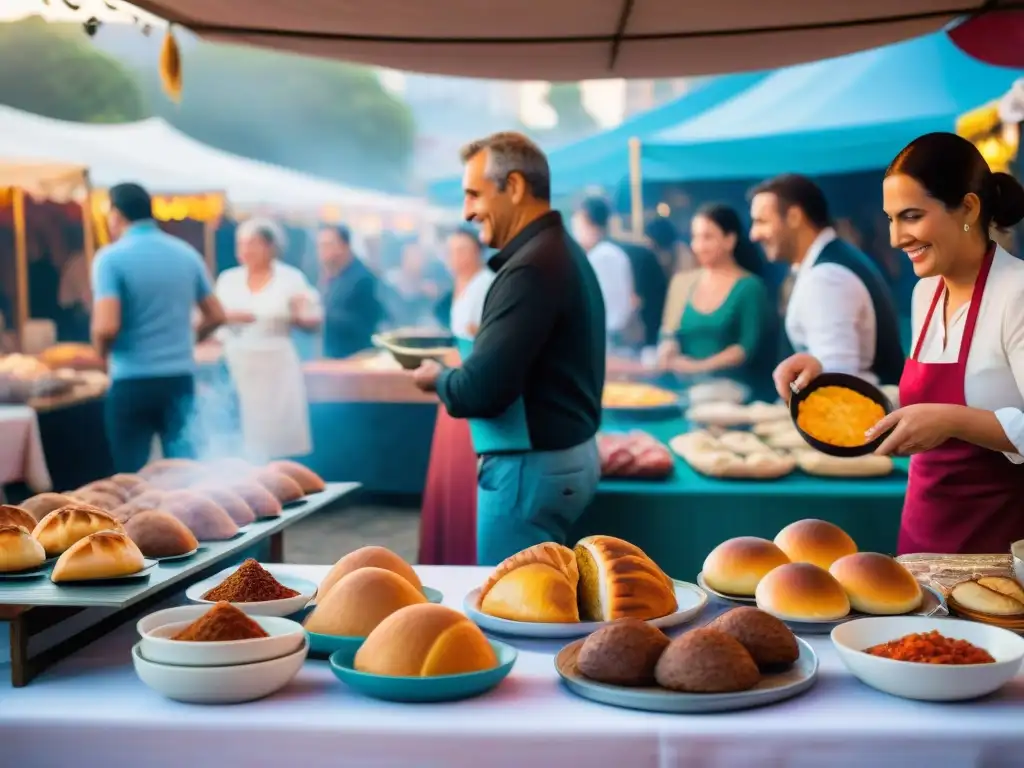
[21, 448]
[91, 711]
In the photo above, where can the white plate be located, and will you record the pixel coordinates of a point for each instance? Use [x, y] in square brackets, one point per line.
[219, 685]
[147, 566]
[928, 682]
[771, 688]
[286, 607]
[933, 604]
[722, 595]
[157, 629]
[691, 600]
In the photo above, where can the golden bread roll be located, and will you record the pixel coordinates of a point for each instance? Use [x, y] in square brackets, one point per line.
[63, 527]
[361, 600]
[535, 593]
[425, 640]
[369, 557]
[17, 517]
[160, 534]
[619, 581]
[284, 489]
[975, 597]
[736, 566]
[1004, 586]
[308, 480]
[149, 499]
[560, 558]
[102, 555]
[104, 487]
[43, 504]
[18, 550]
[230, 502]
[818, 542]
[802, 592]
[877, 584]
[261, 501]
[203, 516]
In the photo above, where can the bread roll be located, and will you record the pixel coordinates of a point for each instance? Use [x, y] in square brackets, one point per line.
[104, 487]
[43, 504]
[284, 489]
[975, 597]
[206, 520]
[556, 556]
[361, 600]
[149, 499]
[619, 581]
[230, 502]
[162, 466]
[160, 534]
[132, 484]
[261, 501]
[877, 584]
[532, 593]
[1004, 586]
[102, 555]
[105, 501]
[369, 557]
[802, 592]
[823, 465]
[815, 541]
[743, 443]
[308, 480]
[736, 566]
[425, 640]
[17, 517]
[18, 550]
[63, 527]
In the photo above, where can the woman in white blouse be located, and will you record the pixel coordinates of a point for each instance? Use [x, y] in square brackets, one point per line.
[472, 281]
[264, 300]
[962, 390]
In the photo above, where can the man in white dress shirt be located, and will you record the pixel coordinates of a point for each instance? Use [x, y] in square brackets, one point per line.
[841, 310]
[611, 265]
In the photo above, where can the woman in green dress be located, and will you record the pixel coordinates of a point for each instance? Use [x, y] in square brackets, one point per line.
[726, 328]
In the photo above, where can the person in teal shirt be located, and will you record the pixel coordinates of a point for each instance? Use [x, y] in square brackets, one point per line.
[727, 324]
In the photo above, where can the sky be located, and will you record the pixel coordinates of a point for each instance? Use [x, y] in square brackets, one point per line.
[604, 99]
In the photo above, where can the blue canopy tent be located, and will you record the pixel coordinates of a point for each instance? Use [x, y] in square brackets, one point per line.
[603, 159]
[842, 115]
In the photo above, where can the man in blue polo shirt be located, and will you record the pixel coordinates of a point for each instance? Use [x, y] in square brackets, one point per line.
[146, 285]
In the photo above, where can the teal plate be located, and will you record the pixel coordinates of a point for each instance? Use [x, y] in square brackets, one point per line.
[423, 689]
[433, 595]
[322, 646]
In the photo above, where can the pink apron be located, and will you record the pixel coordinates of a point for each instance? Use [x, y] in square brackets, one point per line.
[961, 499]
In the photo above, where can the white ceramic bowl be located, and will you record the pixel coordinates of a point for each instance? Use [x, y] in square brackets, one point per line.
[928, 682]
[157, 629]
[219, 685]
[286, 607]
[1017, 551]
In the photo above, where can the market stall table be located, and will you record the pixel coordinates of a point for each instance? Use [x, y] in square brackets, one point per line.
[104, 714]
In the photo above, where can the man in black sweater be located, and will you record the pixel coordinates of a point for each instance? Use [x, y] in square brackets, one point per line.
[531, 387]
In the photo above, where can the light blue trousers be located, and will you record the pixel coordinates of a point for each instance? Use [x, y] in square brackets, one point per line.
[529, 498]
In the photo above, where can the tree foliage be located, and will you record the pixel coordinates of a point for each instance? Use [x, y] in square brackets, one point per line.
[567, 101]
[53, 70]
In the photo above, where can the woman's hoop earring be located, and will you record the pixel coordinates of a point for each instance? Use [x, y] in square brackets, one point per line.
[967, 227]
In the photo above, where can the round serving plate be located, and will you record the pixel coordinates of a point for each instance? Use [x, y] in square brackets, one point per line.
[933, 604]
[740, 599]
[286, 607]
[691, 600]
[322, 646]
[771, 688]
[147, 566]
[846, 381]
[1012, 622]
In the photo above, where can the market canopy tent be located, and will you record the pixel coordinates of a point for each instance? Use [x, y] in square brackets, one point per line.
[995, 38]
[843, 115]
[162, 158]
[603, 159]
[570, 39]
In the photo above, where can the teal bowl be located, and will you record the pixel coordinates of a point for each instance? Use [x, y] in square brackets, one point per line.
[322, 646]
[417, 690]
[433, 595]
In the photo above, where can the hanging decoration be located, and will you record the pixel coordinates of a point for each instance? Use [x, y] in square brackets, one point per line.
[170, 66]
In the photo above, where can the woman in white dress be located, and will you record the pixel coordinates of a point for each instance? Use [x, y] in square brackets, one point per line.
[264, 300]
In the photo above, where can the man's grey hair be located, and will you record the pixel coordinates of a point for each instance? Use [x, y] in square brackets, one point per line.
[511, 152]
[267, 230]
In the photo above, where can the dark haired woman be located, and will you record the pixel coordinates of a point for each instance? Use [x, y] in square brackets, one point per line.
[726, 323]
[962, 390]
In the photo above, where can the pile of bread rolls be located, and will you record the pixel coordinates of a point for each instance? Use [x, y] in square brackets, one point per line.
[373, 593]
[602, 579]
[733, 454]
[812, 571]
[782, 436]
[729, 414]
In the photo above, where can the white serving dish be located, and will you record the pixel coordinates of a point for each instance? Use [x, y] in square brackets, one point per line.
[928, 682]
[305, 588]
[690, 598]
[219, 685]
[1017, 551]
[286, 637]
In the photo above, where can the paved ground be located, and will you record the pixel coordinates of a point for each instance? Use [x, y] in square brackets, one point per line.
[324, 537]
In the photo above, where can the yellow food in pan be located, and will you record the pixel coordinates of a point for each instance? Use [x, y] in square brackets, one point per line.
[838, 416]
[627, 395]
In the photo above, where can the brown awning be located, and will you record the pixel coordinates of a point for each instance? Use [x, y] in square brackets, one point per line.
[567, 39]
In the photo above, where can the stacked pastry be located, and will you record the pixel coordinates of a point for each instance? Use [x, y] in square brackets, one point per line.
[812, 571]
[602, 579]
[732, 455]
[783, 436]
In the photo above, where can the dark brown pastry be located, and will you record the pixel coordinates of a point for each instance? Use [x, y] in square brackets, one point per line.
[204, 517]
[623, 653]
[706, 661]
[768, 641]
[160, 534]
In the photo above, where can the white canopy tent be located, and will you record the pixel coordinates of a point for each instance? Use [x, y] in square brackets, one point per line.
[160, 157]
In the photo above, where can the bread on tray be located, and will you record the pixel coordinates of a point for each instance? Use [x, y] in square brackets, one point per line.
[60, 529]
[711, 457]
[618, 581]
[102, 555]
[17, 517]
[18, 550]
[538, 584]
[822, 465]
[742, 443]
